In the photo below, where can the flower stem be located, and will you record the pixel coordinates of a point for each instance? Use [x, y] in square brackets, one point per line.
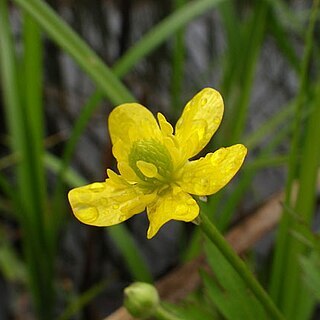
[163, 314]
[218, 240]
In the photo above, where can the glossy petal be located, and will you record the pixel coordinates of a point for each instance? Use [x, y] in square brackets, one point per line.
[128, 123]
[130, 116]
[211, 173]
[108, 203]
[171, 203]
[200, 119]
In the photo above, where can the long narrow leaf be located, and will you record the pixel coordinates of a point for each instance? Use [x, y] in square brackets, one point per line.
[64, 36]
[230, 294]
[161, 32]
[284, 281]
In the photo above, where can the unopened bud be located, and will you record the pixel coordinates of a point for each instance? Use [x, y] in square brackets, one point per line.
[141, 300]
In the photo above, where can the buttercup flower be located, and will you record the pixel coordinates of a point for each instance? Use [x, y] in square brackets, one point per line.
[155, 170]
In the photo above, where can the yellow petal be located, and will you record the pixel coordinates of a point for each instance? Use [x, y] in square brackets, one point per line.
[130, 122]
[107, 203]
[200, 119]
[211, 173]
[172, 203]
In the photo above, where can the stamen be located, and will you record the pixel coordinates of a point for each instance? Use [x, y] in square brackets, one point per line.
[165, 126]
[147, 168]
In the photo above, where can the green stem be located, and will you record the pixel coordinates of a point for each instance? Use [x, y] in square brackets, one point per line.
[163, 314]
[218, 240]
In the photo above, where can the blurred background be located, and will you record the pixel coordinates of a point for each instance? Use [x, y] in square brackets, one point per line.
[56, 98]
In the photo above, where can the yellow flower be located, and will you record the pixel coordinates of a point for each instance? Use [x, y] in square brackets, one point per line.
[155, 170]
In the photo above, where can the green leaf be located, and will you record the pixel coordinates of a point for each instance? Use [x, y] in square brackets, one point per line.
[227, 291]
[192, 310]
[84, 299]
[311, 273]
[71, 43]
[130, 252]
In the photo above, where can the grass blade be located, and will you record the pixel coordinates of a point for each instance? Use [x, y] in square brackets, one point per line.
[71, 43]
[162, 31]
[130, 252]
[26, 143]
[284, 287]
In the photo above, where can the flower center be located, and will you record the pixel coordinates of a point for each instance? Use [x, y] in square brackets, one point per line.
[151, 161]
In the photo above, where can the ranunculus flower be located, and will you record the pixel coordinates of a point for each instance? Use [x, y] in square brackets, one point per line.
[155, 170]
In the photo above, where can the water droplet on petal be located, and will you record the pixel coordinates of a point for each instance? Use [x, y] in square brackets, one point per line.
[201, 132]
[124, 196]
[115, 206]
[219, 155]
[122, 218]
[83, 195]
[204, 101]
[204, 181]
[190, 202]
[104, 202]
[201, 185]
[87, 214]
[97, 187]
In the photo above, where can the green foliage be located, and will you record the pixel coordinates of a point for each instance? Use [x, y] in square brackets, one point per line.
[11, 266]
[309, 261]
[227, 291]
[193, 310]
[24, 113]
[311, 273]
[79, 302]
[286, 286]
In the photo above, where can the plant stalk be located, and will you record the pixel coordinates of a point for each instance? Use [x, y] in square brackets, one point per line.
[213, 234]
[163, 314]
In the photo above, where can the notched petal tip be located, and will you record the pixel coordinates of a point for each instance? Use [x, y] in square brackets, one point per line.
[173, 204]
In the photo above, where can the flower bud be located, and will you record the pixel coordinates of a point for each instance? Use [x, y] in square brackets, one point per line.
[141, 300]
